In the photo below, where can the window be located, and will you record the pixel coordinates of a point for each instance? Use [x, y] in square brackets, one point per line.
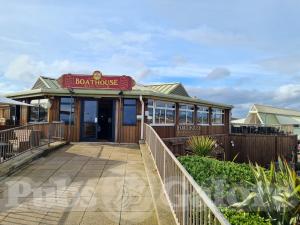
[66, 110]
[129, 112]
[186, 114]
[161, 112]
[202, 115]
[39, 111]
[217, 116]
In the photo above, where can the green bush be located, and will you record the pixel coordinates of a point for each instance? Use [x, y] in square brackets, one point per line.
[239, 217]
[201, 145]
[217, 178]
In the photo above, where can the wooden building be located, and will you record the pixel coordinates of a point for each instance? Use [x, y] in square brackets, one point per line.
[113, 108]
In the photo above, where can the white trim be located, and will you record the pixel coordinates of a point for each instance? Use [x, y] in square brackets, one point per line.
[204, 124]
[162, 124]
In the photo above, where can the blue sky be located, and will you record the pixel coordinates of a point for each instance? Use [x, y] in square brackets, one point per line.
[235, 52]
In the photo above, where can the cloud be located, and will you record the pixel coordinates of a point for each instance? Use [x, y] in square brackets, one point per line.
[218, 73]
[286, 96]
[208, 35]
[282, 65]
[26, 69]
[105, 40]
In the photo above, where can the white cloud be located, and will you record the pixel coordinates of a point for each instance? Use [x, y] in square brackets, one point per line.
[218, 73]
[26, 69]
[288, 93]
[284, 65]
[104, 40]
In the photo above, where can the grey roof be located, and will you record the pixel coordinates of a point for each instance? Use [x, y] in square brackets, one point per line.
[175, 91]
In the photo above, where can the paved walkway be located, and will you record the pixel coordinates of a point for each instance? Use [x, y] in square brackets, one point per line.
[80, 184]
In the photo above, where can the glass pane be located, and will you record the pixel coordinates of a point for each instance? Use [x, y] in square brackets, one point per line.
[160, 104]
[89, 115]
[67, 109]
[182, 106]
[150, 116]
[190, 117]
[129, 101]
[129, 115]
[34, 114]
[159, 116]
[190, 107]
[43, 114]
[170, 116]
[150, 102]
[170, 105]
[202, 117]
[182, 116]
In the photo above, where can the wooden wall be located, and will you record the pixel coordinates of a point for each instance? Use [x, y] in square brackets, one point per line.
[165, 131]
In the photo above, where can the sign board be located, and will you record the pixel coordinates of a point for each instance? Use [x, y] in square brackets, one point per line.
[96, 81]
[189, 130]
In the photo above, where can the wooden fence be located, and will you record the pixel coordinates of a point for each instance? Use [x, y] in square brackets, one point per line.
[261, 149]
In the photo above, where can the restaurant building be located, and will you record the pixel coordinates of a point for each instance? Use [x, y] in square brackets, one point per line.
[113, 108]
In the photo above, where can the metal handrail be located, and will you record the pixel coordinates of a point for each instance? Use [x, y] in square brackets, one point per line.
[194, 206]
[18, 140]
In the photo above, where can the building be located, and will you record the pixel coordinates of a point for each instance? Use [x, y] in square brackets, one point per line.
[113, 108]
[285, 120]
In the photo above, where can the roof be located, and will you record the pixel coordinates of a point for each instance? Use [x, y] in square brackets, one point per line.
[275, 116]
[173, 91]
[171, 88]
[275, 110]
[238, 121]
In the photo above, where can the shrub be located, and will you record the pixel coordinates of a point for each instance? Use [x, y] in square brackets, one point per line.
[239, 217]
[276, 194]
[201, 145]
[218, 178]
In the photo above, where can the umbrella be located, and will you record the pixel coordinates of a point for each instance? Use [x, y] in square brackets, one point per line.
[8, 101]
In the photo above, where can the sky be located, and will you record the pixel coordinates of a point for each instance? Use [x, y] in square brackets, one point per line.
[234, 52]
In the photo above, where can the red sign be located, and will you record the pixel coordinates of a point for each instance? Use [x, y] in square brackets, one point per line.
[96, 81]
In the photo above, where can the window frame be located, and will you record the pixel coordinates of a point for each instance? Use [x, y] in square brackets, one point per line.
[38, 106]
[123, 110]
[186, 110]
[202, 111]
[217, 111]
[166, 108]
[72, 111]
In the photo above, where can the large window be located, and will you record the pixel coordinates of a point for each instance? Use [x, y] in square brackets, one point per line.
[186, 114]
[66, 112]
[217, 117]
[39, 111]
[161, 112]
[129, 112]
[202, 115]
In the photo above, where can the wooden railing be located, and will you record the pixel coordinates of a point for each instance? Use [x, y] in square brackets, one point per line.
[189, 202]
[16, 141]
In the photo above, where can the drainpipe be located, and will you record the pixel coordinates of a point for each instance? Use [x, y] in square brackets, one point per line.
[142, 121]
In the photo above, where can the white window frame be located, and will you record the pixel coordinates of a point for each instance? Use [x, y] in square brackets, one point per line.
[200, 109]
[186, 110]
[154, 107]
[217, 111]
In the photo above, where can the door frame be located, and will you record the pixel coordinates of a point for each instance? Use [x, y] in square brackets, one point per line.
[115, 115]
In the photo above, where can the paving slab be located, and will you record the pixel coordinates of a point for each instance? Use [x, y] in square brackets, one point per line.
[82, 183]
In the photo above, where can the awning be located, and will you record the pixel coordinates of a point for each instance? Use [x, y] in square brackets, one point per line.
[8, 101]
